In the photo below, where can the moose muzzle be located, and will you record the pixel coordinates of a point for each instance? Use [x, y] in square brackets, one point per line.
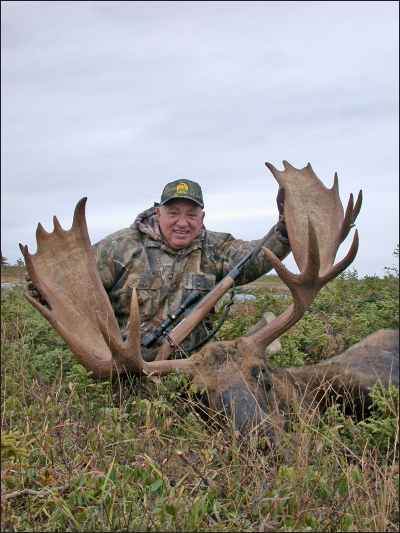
[247, 413]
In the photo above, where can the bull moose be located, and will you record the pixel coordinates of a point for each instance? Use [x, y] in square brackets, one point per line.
[237, 380]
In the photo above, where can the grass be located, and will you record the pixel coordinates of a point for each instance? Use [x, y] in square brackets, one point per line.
[80, 455]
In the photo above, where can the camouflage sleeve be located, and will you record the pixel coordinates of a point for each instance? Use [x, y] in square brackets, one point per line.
[114, 254]
[104, 256]
[231, 251]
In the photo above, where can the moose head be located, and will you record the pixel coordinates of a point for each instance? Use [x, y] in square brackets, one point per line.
[234, 374]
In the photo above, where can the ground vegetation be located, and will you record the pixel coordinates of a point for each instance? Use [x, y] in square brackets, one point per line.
[136, 455]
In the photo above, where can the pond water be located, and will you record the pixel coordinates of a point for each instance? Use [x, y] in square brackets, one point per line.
[244, 297]
[9, 286]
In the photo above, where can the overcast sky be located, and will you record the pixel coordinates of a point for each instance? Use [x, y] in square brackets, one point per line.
[112, 100]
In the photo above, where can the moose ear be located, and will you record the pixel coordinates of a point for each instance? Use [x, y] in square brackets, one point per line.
[275, 346]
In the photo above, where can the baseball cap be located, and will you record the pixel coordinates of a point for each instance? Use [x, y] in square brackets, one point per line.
[182, 189]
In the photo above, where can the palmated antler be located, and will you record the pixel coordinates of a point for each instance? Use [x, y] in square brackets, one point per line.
[316, 227]
[64, 271]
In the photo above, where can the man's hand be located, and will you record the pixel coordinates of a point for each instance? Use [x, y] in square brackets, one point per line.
[34, 293]
[281, 209]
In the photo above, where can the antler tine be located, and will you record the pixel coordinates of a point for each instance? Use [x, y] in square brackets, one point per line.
[79, 219]
[289, 167]
[41, 235]
[350, 216]
[30, 267]
[127, 354]
[344, 263]
[345, 229]
[357, 207]
[56, 224]
[311, 269]
[276, 173]
[132, 346]
[313, 264]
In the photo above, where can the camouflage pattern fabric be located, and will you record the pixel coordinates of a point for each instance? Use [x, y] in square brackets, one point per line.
[182, 189]
[139, 257]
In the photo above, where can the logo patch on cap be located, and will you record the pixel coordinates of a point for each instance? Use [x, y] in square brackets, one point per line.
[182, 188]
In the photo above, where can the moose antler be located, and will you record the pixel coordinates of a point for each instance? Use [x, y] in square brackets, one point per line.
[64, 271]
[314, 215]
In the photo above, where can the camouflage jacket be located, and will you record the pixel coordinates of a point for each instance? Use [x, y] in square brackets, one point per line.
[139, 257]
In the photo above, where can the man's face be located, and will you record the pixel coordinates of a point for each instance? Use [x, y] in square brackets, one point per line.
[180, 221]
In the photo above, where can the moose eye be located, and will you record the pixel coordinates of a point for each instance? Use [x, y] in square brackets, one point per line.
[258, 372]
[262, 376]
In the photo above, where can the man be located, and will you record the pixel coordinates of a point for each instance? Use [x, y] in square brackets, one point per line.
[167, 253]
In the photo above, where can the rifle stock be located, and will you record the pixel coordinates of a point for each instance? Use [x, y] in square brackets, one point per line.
[200, 311]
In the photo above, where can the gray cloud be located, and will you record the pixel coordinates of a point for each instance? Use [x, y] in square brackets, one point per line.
[111, 100]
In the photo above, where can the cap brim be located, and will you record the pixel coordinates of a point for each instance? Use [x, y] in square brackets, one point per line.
[179, 197]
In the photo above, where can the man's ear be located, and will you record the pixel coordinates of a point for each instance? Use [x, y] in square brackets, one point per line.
[158, 214]
[202, 217]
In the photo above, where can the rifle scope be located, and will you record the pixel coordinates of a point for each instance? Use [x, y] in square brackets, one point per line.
[152, 338]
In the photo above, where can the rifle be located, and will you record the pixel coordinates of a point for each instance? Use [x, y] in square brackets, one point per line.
[199, 311]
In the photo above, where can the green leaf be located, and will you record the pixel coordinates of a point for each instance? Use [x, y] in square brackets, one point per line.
[156, 485]
[343, 487]
[171, 509]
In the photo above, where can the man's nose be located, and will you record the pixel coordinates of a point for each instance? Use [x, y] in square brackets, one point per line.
[182, 221]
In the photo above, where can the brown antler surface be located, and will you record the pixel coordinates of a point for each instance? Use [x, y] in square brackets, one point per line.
[316, 226]
[64, 271]
[306, 196]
